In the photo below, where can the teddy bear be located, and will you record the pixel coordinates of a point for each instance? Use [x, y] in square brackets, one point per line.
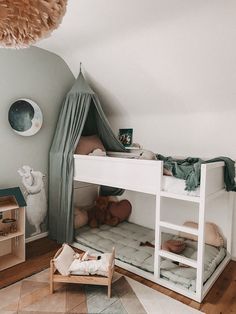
[108, 212]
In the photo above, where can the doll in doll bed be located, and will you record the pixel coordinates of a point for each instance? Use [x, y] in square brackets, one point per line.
[68, 266]
[86, 264]
[69, 262]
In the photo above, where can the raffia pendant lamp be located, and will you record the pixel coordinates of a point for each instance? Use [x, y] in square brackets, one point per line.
[24, 22]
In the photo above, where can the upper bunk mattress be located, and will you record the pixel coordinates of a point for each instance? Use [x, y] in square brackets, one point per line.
[126, 238]
[177, 186]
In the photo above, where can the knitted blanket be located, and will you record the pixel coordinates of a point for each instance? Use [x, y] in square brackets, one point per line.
[189, 169]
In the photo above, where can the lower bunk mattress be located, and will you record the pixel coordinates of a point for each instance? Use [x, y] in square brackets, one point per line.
[126, 238]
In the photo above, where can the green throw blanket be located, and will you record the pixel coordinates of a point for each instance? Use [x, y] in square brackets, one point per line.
[189, 169]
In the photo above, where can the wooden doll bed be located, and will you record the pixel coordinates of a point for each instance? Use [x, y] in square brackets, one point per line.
[55, 276]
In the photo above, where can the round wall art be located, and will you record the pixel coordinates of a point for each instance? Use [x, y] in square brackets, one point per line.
[25, 117]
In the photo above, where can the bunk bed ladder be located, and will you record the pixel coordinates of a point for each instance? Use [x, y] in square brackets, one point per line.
[201, 236]
[231, 202]
[157, 256]
[200, 232]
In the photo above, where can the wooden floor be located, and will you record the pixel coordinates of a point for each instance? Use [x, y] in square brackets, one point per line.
[220, 300]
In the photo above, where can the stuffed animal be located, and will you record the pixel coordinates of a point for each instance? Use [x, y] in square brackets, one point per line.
[97, 214]
[121, 209]
[80, 217]
[109, 213]
[146, 154]
[142, 153]
[174, 246]
[97, 152]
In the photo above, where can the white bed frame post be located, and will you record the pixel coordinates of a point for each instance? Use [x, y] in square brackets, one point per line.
[157, 257]
[201, 235]
[231, 204]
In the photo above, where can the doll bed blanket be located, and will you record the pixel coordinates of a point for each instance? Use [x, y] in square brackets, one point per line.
[126, 238]
[91, 267]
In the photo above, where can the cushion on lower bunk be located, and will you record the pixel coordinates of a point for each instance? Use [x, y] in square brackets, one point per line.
[126, 238]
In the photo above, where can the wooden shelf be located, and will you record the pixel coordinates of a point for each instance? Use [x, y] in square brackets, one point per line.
[12, 246]
[11, 236]
[9, 260]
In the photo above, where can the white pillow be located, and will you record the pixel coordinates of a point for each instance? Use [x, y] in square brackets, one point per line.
[63, 261]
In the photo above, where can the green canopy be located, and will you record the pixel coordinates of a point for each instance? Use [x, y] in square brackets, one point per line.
[81, 114]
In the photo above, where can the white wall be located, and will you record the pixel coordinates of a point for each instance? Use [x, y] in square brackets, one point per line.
[45, 78]
[165, 68]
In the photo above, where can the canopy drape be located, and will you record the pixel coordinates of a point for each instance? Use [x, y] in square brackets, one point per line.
[72, 119]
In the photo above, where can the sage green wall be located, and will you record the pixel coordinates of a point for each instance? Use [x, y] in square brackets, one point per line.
[45, 78]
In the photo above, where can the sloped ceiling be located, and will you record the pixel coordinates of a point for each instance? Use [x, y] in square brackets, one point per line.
[155, 56]
[89, 23]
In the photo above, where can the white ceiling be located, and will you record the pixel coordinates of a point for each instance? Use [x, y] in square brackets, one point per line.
[155, 56]
[91, 22]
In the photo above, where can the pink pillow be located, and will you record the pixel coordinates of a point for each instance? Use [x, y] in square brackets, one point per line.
[212, 233]
[87, 144]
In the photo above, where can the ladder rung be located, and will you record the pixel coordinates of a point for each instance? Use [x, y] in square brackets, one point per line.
[212, 196]
[195, 199]
[178, 228]
[178, 258]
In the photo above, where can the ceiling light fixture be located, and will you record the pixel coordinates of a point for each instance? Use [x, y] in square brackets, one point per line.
[24, 22]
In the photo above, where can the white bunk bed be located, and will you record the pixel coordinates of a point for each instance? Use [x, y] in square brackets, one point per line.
[146, 176]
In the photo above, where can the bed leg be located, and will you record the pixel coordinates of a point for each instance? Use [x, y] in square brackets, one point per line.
[51, 287]
[109, 283]
[109, 290]
[51, 277]
[110, 272]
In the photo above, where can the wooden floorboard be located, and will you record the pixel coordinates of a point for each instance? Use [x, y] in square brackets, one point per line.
[221, 299]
